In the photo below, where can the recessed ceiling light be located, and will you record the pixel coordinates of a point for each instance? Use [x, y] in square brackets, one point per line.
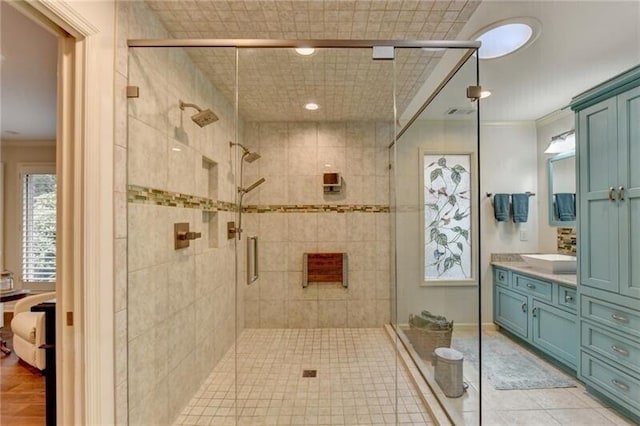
[305, 51]
[176, 149]
[311, 106]
[505, 37]
[485, 94]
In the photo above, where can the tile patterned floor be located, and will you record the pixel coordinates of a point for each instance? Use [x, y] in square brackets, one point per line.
[534, 407]
[355, 383]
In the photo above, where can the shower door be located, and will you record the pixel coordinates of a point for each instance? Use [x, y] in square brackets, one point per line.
[312, 347]
[181, 193]
[435, 197]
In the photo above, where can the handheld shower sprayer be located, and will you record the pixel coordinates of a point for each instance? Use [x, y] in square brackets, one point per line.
[252, 187]
[203, 117]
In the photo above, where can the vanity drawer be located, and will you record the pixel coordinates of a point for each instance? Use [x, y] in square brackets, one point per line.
[610, 345]
[532, 286]
[567, 297]
[622, 319]
[501, 276]
[623, 387]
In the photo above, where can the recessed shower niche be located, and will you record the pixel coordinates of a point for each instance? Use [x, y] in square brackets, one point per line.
[209, 179]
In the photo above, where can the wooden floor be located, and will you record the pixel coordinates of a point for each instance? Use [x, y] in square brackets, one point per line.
[22, 399]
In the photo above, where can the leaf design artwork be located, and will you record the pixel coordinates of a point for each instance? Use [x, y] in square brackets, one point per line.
[447, 196]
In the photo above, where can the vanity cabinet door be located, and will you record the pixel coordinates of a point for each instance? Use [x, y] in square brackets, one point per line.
[598, 157]
[555, 331]
[511, 311]
[629, 191]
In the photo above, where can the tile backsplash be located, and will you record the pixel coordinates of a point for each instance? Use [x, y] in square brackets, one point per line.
[567, 241]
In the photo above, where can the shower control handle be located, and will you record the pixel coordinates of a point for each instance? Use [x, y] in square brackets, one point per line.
[184, 236]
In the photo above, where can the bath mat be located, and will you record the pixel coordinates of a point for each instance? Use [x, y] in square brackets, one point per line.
[509, 366]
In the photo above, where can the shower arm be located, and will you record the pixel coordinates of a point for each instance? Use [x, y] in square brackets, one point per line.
[184, 105]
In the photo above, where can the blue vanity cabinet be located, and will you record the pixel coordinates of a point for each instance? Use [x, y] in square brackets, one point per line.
[608, 154]
[555, 332]
[598, 160]
[541, 313]
[629, 191]
[512, 311]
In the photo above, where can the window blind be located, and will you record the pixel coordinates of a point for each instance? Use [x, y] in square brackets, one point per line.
[38, 227]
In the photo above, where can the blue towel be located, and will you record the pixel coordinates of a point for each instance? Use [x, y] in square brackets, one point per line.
[565, 206]
[520, 206]
[501, 207]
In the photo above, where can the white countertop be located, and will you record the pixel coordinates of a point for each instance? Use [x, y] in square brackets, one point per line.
[565, 279]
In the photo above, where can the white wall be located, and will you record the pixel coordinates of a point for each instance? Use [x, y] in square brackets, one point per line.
[552, 125]
[14, 152]
[508, 164]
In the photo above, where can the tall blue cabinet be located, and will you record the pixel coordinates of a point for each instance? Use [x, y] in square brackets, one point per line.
[608, 152]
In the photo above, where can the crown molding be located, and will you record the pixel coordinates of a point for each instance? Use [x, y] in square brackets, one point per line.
[553, 117]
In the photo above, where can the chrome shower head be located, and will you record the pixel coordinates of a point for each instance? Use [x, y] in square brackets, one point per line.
[252, 187]
[250, 157]
[203, 117]
[247, 155]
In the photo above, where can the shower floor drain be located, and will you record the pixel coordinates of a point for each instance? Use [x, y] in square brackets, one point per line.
[309, 373]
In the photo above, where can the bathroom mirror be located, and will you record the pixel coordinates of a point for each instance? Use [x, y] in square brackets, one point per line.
[562, 189]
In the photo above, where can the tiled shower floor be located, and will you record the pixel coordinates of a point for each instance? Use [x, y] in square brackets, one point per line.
[355, 383]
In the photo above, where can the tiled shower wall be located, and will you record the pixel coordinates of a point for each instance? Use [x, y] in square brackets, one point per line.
[295, 216]
[175, 308]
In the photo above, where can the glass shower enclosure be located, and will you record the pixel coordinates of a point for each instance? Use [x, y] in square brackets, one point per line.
[247, 162]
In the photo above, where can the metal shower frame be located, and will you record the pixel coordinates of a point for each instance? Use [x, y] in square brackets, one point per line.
[471, 48]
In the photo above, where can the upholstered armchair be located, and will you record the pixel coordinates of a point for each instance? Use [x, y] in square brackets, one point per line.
[28, 330]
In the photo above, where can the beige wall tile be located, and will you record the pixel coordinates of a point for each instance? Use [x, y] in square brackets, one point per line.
[273, 227]
[252, 313]
[361, 313]
[303, 135]
[302, 227]
[332, 134]
[273, 286]
[295, 291]
[332, 313]
[147, 155]
[273, 256]
[303, 189]
[148, 302]
[302, 314]
[273, 314]
[332, 227]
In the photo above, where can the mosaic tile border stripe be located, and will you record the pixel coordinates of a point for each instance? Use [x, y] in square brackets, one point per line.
[158, 197]
[142, 195]
[317, 208]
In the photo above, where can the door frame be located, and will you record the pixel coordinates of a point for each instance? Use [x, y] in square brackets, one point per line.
[85, 353]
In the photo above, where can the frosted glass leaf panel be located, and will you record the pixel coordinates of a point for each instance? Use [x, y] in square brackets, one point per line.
[447, 217]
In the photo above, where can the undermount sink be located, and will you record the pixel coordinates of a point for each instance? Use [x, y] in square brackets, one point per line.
[552, 263]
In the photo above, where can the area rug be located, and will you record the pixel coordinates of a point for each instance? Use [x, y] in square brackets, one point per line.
[509, 366]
